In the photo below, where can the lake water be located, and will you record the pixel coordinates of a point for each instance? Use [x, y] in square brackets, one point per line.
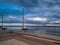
[52, 30]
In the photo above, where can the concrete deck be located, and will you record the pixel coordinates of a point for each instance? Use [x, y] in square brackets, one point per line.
[21, 39]
[13, 42]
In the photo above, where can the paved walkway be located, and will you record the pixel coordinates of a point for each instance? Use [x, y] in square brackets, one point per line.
[20, 39]
[13, 42]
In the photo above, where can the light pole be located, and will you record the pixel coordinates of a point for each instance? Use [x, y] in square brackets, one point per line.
[23, 28]
[3, 28]
[1, 21]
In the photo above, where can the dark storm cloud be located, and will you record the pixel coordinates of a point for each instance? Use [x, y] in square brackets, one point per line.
[28, 3]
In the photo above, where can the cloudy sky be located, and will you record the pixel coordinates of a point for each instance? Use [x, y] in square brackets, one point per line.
[35, 11]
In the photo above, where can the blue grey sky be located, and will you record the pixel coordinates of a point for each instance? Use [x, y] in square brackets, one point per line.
[35, 11]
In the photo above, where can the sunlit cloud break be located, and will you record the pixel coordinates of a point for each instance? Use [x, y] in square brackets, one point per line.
[37, 19]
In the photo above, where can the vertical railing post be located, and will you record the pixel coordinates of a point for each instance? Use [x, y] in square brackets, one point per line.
[2, 20]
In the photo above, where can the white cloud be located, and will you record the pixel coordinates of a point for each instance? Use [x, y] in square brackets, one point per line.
[30, 15]
[12, 17]
[37, 19]
[56, 7]
[48, 14]
[18, 24]
[58, 21]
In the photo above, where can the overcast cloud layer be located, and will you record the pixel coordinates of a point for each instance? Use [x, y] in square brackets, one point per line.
[35, 11]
